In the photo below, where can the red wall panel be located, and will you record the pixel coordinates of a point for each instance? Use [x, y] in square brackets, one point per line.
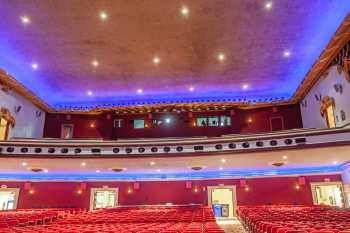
[181, 125]
[276, 190]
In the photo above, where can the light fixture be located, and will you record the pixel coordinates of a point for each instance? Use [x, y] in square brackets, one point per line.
[167, 120]
[285, 157]
[156, 60]
[335, 162]
[195, 190]
[46, 171]
[98, 171]
[221, 168]
[223, 160]
[89, 93]
[250, 120]
[246, 188]
[35, 66]
[83, 164]
[31, 191]
[129, 190]
[158, 170]
[24, 164]
[95, 63]
[221, 57]
[139, 91]
[92, 125]
[245, 86]
[286, 53]
[297, 187]
[184, 11]
[152, 163]
[268, 5]
[25, 19]
[191, 89]
[103, 15]
[79, 191]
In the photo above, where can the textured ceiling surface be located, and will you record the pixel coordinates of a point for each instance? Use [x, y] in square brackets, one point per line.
[64, 37]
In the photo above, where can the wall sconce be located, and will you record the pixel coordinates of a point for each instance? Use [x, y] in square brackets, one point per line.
[297, 187]
[195, 190]
[247, 189]
[31, 191]
[130, 191]
[249, 120]
[92, 125]
[79, 192]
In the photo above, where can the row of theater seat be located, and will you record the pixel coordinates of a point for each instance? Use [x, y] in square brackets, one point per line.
[26, 217]
[294, 219]
[129, 220]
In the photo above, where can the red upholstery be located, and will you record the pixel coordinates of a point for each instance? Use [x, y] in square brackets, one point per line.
[130, 220]
[294, 219]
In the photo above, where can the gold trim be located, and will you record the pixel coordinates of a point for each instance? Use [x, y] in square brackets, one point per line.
[8, 82]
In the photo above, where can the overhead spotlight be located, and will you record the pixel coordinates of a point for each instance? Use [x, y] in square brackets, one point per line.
[223, 160]
[152, 163]
[158, 170]
[46, 171]
[24, 164]
[95, 63]
[286, 53]
[98, 171]
[268, 5]
[139, 91]
[25, 19]
[245, 86]
[35, 66]
[221, 168]
[191, 89]
[83, 164]
[103, 15]
[221, 57]
[184, 11]
[285, 157]
[335, 162]
[89, 93]
[156, 60]
[167, 120]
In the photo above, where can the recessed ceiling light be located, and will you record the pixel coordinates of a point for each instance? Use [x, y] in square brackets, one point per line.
[103, 15]
[158, 170]
[167, 120]
[95, 63]
[25, 19]
[191, 89]
[184, 11]
[139, 91]
[89, 93]
[223, 160]
[24, 164]
[83, 164]
[268, 5]
[221, 168]
[245, 86]
[335, 162]
[285, 157]
[221, 57]
[156, 60]
[98, 171]
[46, 171]
[152, 163]
[286, 53]
[35, 66]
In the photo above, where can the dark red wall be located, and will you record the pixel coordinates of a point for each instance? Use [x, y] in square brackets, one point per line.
[276, 190]
[181, 125]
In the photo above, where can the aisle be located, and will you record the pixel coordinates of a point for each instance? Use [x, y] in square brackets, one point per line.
[231, 226]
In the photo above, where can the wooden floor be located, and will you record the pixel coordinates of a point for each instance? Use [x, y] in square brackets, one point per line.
[231, 226]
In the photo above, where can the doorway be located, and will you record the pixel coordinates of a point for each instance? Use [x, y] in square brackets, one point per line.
[8, 198]
[223, 201]
[101, 198]
[328, 193]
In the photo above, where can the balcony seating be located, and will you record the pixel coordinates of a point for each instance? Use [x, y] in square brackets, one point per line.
[128, 220]
[294, 219]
